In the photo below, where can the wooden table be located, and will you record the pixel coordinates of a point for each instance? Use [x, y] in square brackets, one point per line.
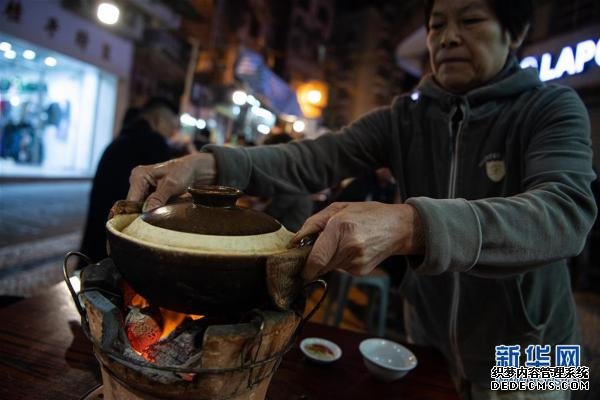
[45, 355]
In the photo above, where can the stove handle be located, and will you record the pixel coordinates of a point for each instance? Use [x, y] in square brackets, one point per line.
[323, 284]
[67, 279]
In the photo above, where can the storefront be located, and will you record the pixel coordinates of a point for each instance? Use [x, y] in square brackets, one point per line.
[572, 59]
[60, 83]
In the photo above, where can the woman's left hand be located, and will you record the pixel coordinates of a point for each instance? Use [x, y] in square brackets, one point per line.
[356, 237]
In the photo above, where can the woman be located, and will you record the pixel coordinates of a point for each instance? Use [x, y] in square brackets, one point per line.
[494, 167]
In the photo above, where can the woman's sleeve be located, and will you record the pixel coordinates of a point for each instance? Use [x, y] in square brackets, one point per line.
[307, 166]
[549, 221]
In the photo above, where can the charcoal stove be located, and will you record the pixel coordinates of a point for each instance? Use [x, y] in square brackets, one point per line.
[230, 357]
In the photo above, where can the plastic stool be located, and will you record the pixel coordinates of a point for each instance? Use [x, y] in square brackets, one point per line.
[378, 280]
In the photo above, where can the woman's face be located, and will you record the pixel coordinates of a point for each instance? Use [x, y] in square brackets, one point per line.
[467, 45]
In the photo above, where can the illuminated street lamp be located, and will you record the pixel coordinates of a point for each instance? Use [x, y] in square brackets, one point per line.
[200, 123]
[312, 97]
[187, 120]
[108, 13]
[253, 101]
[264, 129]
[239, 98]
[299, 126]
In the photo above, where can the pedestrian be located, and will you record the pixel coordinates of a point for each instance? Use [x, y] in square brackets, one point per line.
[142, 140]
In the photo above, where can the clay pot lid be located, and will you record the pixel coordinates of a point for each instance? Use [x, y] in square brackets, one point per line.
[212, 212]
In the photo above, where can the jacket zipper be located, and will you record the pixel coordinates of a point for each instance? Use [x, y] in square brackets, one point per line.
[455, 136]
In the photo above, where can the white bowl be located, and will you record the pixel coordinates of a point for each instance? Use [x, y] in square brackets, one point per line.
[332, 353]
[385, 359]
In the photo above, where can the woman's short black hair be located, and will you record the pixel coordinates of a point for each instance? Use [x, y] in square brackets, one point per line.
[514, 15]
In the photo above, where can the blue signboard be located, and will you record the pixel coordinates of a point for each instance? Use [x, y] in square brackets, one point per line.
[251, 69]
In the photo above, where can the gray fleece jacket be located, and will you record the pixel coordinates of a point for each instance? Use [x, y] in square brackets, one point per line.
[500, 177]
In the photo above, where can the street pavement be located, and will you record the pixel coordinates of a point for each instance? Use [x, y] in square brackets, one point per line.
[39, 223]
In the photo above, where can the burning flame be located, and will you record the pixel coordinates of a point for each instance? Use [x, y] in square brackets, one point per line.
[139, 302]
[142, 331]
[171, 320]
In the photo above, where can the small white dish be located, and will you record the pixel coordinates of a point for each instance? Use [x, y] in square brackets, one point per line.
[320, 350]
[385, 359]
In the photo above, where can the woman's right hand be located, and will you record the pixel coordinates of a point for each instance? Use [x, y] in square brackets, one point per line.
[159, 182]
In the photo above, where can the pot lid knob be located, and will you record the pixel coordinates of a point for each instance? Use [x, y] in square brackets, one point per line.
[214, 196]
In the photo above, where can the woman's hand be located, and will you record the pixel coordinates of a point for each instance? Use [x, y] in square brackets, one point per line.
[170, 178]
[356, 237]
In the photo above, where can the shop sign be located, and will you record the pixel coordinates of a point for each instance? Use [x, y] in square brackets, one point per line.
[572, 60]
[59, 30]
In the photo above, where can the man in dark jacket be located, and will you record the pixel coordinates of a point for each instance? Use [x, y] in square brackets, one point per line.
[141, 141]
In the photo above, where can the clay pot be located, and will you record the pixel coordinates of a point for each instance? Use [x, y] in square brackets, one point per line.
[206, 255]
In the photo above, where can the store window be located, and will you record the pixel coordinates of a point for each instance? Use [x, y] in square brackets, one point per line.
[56, 113]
